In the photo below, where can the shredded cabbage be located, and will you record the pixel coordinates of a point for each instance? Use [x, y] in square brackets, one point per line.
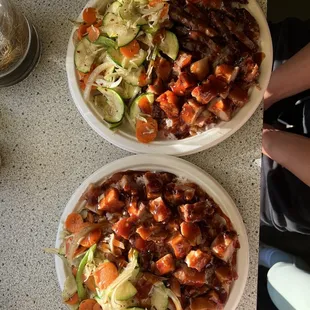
[70, 286]
[106, 298]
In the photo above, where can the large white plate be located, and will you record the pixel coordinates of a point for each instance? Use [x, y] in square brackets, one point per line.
[126, 139]
[180, 168]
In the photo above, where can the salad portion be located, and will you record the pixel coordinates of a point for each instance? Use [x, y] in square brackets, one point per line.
[147, 240]
[168, 69]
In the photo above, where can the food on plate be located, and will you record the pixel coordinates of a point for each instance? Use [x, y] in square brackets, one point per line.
[191, 64]
[148, 240]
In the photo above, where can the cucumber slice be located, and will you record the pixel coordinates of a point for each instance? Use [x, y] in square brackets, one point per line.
[159, 299]
[125, 291]
[134, 107]
[117, 57]
[135, 308]
[115, 27]
[170, 45]
[106, 42]
[149, 29]
[126, 35]
[114, 126]
[114, 7]
[84, 55]
[113, 109]
[127, 91]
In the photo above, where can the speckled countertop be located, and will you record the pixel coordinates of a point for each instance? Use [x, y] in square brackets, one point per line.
[47, 149]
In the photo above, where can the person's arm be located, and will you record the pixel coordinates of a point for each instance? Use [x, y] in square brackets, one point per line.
[289, 150]
[290, 78]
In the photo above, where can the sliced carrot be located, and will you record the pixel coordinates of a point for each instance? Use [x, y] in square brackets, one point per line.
[98, 23]
[90, 283]
[87, 304]
[105, 274]
[93, 33]
[146, 130]
[143, 79]
[164, 12]
[90, 15]
[74, 222]
[131, 49]
[73, 300]
[154, 2]
[78, 251]
[82, 31]
[91, 238]
[145, 105]
[97, 307]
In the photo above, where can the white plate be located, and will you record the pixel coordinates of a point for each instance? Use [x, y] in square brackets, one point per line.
[125, 137]
[180, 168]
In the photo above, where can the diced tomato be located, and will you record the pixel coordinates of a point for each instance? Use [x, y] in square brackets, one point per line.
[179, 245]
[105, 274]
[124, 228]
[165, 264]
[111, 202]
[159, 210]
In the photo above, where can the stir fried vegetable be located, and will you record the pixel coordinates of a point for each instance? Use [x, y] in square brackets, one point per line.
[124, 37]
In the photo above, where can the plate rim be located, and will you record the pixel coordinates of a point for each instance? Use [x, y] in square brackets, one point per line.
[179, 167]
[189, 145]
